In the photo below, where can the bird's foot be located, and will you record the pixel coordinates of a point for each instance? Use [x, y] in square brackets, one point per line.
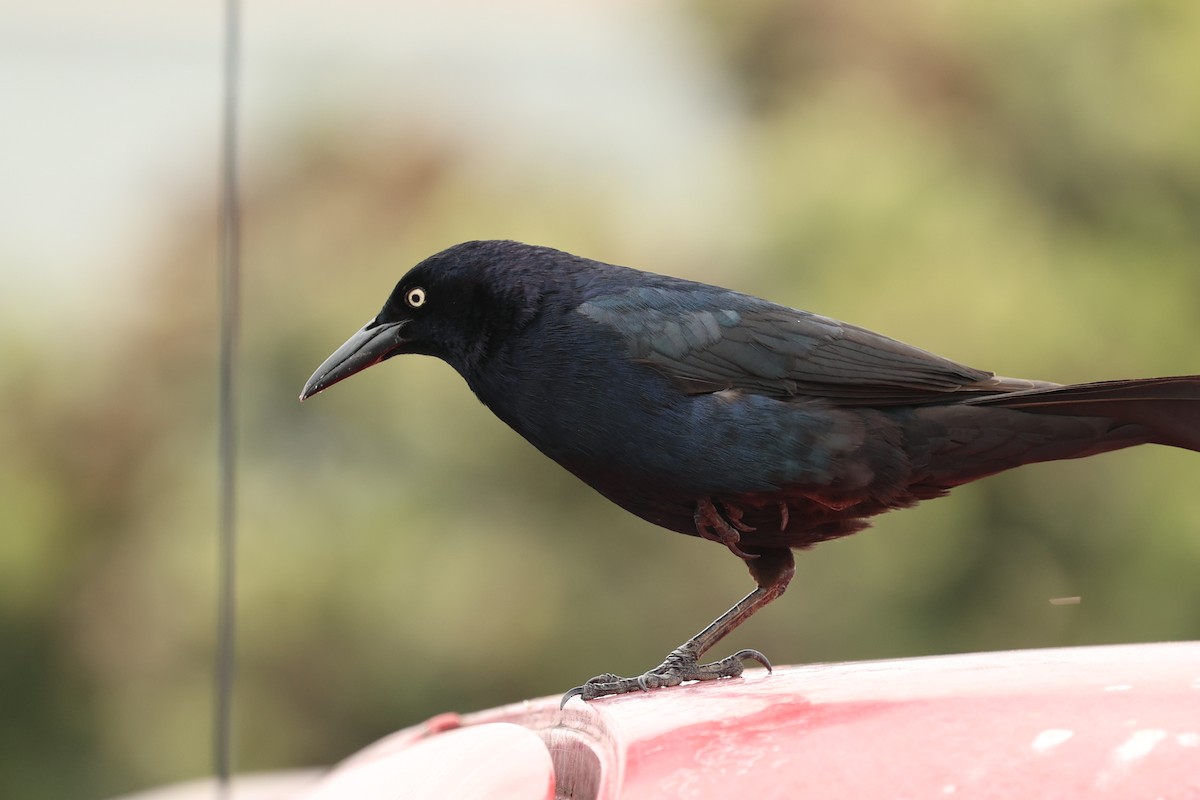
[726, 529]
[681, 665]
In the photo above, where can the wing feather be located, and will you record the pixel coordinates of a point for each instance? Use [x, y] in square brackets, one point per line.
[708, 340]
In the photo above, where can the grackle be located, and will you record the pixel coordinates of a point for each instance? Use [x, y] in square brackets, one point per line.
[720, 415]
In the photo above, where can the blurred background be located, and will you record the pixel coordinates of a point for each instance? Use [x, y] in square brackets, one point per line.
[1014, 185]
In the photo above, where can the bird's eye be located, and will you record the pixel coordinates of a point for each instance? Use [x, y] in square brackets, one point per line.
[415, 297]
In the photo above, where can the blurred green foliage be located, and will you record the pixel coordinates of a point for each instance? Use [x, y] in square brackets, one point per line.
[1015, 185]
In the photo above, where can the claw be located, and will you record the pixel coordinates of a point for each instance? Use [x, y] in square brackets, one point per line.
[714, 527]
[576, 692]
[735, 515]
[681, 665]
[754, 655]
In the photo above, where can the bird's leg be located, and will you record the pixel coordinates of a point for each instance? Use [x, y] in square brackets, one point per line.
[727, 529]
[772, 570]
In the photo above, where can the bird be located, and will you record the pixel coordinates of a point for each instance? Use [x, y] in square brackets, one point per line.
[716, 414]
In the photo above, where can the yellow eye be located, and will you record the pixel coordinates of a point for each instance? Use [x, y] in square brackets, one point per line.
[415, 297]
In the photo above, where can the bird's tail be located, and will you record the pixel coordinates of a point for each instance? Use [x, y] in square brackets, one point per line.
[961, 442]
[1167, 409]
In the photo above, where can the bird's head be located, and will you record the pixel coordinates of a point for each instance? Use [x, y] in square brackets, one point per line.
[452, 305]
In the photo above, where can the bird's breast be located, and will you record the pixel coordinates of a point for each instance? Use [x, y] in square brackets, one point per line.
[627, 431]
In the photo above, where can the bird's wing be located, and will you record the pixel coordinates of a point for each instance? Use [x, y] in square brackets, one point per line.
[708, 340]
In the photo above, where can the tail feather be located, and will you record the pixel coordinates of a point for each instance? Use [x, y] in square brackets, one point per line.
[1167, 408]
[961, 442]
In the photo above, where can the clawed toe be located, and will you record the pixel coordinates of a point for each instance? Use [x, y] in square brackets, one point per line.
[679, 666]
[753, 655]
[576, 692]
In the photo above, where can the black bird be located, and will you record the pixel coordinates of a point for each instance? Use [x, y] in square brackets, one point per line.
[720, 415]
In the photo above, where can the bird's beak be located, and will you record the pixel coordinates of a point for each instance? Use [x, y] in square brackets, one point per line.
[372, 344]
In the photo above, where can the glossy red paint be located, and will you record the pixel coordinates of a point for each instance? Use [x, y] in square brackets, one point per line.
[1109, 722]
